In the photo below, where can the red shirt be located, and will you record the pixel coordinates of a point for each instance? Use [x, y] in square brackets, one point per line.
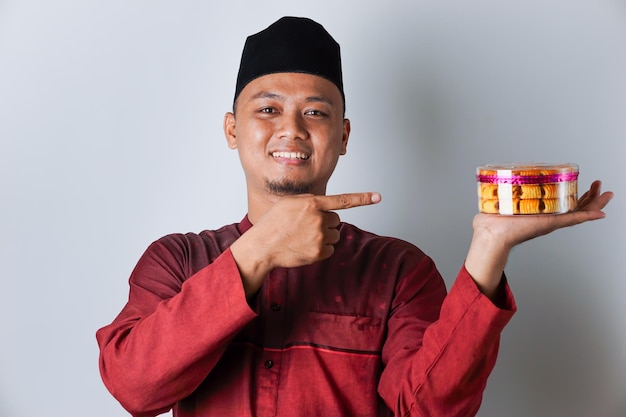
[366, 332]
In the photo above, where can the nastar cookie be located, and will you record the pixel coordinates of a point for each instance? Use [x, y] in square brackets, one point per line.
[530, 191]
[488, 191]
[551, 205]
[530, 206]
[489, 206]
[550, 191]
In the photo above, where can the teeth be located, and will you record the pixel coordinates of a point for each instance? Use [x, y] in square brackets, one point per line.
[290, 155]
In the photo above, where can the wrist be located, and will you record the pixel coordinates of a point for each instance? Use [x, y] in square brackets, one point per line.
[253, 264]
[485, 262]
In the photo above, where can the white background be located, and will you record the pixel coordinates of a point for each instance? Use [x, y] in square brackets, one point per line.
[111, 136]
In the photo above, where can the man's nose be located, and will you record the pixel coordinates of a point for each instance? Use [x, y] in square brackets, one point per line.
[292, 126]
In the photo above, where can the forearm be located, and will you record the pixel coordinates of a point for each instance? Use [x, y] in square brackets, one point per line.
[151, 360]
[485, 262]
[253, 261]
[460, 350]
[447, 374]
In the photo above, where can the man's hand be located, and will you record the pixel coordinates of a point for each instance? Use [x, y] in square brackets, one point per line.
[296, 231]
[495, 235]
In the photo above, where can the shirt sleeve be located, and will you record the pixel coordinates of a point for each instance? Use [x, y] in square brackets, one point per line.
[172, 331]
[441, 349]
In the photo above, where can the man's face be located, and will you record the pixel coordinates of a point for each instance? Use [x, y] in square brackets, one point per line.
[289, 130]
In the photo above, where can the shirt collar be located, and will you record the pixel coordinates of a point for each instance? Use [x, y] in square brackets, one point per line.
[244, 225]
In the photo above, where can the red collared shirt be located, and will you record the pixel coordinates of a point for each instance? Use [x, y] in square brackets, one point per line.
[366, 332]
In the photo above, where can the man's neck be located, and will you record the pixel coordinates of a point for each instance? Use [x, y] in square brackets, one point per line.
[258, 205]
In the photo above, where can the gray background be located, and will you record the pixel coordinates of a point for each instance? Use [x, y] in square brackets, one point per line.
[111, 136]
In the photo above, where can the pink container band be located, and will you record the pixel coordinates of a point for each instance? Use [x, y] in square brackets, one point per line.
[527, 179]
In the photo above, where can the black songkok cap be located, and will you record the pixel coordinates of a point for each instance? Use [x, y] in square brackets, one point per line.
[291, 44]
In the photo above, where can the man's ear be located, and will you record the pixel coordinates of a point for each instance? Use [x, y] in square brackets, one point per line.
[346, 135]
[229, 130]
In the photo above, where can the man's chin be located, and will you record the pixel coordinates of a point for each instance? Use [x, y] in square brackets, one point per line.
[287, 188]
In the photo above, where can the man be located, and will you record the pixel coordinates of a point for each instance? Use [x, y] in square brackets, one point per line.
[291, 312]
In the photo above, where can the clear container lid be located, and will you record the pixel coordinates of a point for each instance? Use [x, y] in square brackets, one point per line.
[520, 173]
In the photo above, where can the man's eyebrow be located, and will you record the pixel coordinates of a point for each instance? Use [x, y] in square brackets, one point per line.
[266, 95]
[276, 96]
[319, 99]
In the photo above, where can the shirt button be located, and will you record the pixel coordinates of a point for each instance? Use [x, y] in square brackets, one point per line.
[275, 307]
[268, 364]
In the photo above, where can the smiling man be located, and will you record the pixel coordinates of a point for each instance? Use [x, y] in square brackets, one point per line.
[292, 312]
[289, 129]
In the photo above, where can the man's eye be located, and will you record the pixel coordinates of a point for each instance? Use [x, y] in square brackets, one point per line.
[268, 110]
[315, 113]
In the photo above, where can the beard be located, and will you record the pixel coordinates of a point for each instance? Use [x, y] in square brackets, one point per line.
[286, 187]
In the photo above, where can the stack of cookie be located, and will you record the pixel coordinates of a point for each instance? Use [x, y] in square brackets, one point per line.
[527, 188]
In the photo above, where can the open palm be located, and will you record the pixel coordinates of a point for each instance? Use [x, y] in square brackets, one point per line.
[513, 230]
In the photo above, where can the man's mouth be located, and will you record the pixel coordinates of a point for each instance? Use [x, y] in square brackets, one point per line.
[291, 155]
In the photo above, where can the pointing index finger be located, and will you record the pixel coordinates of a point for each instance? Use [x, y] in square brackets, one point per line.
[349, 200]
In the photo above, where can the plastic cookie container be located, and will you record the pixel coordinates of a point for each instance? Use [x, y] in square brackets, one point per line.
[527, 188]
